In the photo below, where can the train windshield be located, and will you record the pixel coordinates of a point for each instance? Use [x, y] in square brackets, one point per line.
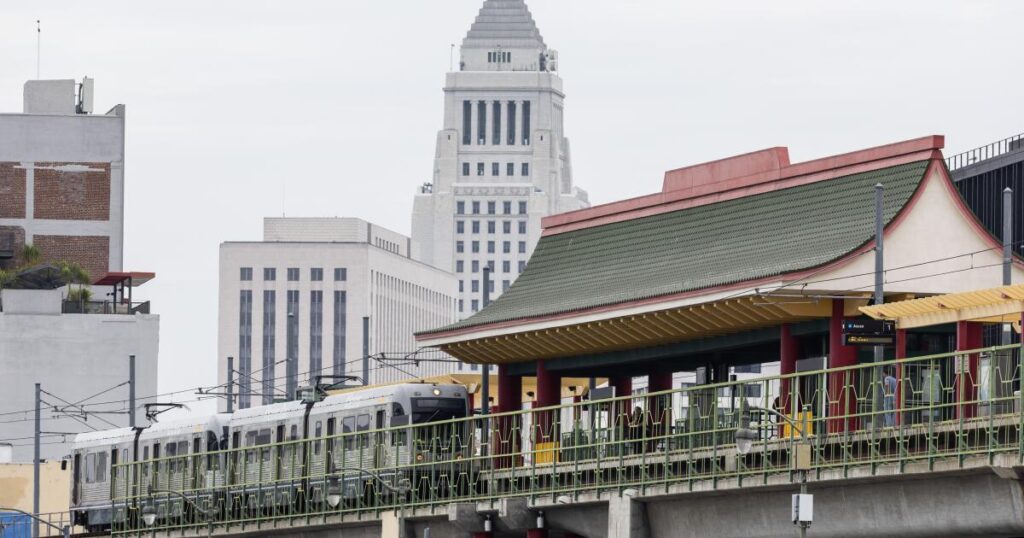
[437, 409]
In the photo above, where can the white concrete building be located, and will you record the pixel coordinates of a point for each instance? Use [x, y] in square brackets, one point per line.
[62, 190]
[73, 357]
[62, 177]
[318, 295]
[502, 160]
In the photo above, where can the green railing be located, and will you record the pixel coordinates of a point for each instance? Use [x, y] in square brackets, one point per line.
[947, 407]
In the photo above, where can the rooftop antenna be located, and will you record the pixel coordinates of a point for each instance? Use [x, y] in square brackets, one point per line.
[39, 40]
[451, 59]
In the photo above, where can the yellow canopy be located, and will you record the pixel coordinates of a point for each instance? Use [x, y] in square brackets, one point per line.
[995, 305]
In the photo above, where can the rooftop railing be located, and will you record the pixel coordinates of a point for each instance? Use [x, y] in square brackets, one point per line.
[988, 151]
[104, 307]
[954, 409]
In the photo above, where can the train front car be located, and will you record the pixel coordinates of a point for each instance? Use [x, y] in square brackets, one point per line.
[94, 456]
[434, 416]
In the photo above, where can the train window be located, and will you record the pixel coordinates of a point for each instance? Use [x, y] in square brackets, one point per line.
[363, 424]
[294, 435]
[101, 467]
[262, 439]
[90, 468]
[397, 410]
[347, 427]
[182, 453]
[124, 455]
[250, 440]
[319, 429]
[170, 452]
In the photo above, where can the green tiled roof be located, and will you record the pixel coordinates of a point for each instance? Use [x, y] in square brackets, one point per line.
[758, 236]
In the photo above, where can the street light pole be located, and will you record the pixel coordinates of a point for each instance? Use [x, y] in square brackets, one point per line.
[35, 461]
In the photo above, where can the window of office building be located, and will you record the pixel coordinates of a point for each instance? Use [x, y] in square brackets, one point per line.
[340, 303]
[459, 266]
[291, 335]
[495, 168]
[465, 169]
[462, 286]
[479, 169]
[293, 274]
[490, 247]
[316, 274]
[506, 226]
[269, 343]
[316, 332]
[269, 273]
[522, 227]
[506, 207]
[476, 226]
[496, 128]
[475, 247]
[511, 123]
[467, 122]
[475, 286]
[490, 208]
[506, 266]
[476, 208]
[506, 247]
[510, 169]
[526, 123]
[340, 274]
[490, 226]
[522, 208]
[244, 348]
[526, 169]
[522, 247]
[245, 274]
[476, 266]
[460, 246]
[505, 285]
[476, 305]
[460, 227]
[460, 207]
[481, 122]
[460, 306]
[522, 266]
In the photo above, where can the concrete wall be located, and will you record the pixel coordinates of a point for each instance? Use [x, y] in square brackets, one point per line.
[16, 487]
[74, 356]
[31, 301]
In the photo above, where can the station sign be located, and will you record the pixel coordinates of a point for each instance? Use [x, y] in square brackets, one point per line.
[870, 332]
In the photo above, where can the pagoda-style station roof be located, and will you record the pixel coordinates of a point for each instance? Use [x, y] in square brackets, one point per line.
[731, 246]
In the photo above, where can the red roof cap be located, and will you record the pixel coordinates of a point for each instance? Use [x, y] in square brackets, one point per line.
[137, 278]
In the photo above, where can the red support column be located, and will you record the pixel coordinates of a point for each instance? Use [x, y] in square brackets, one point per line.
[841, 396]
[789, 350]
[537, 533]
[507, 435]
[619, 420]
[549, 393]
[901, 353]
[965, 387]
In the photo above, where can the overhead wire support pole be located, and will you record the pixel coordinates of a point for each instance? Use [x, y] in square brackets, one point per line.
[231, 385]
[35, 462]
[485, 373]
[877, 399]
[1007, 253]
[131, 391]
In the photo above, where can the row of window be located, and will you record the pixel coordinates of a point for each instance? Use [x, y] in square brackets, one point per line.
[506, 266]
[497, 134]
[492, 208]
[499, 57]
[460, 228]
[506, 247]
[475, 286]
[510, 169]
[316, 274]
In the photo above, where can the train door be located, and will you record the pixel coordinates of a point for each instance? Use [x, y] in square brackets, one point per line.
[76, 485]
[196, 462]
[280, 453]
[236, 445]
[114, 479]
[332, 447]
[379, 441]
[155, 484]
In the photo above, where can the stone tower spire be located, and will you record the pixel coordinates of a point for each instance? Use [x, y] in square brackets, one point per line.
[503, 30]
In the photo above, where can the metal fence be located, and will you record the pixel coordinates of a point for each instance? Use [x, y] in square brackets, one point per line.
[19, 525]
[922, 409]
[988, 151]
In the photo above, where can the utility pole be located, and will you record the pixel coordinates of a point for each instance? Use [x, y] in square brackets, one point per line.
[876, 421]
[366, 350]
[485, 372]
[231, 384]
[1007, 251]
[35, 461]
[131, 391]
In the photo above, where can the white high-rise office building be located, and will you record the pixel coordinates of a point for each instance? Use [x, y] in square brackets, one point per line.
[326, 296]
[502, 161]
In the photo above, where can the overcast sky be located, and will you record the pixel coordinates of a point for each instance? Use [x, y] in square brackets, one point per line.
[243, 109]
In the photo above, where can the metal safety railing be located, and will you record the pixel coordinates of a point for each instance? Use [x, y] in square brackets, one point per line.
[988, 151]
[21, 525]
[940, 407]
